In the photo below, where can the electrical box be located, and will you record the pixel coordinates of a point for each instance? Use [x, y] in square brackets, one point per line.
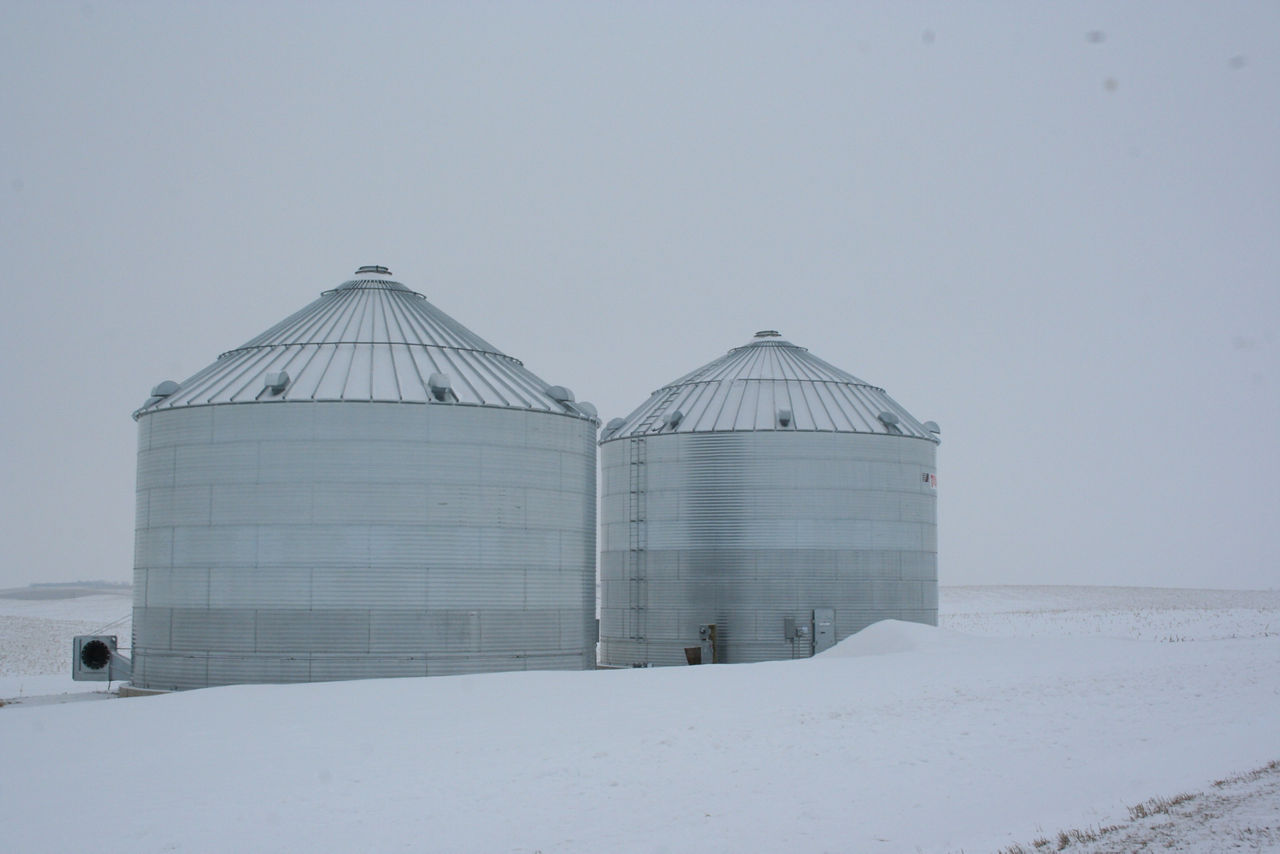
[707, 640]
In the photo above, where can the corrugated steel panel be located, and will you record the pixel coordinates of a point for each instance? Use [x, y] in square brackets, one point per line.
[361, 549]
[527, 630]
[249, 669]
[170, 671]
[225, 545]
[153, 624]
[209, 630]
[334, 630]
[473, 587]
[229, 462]
[384, 588]
[437, 631]
[153, 547]
[177, 505]
[747, 528]
[745, 389]
[189, 589]
[370, 339]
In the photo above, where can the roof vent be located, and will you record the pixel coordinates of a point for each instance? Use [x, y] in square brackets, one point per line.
[442, 388]
[560, 394]
[614, 424]
[888, 418]
[164, 389]
[784, 417]
[373, 269]
[673, 418]
[275, 381]
[588, 409]
[768, 333]
[932, 427]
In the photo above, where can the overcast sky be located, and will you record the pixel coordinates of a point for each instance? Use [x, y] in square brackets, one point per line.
[1054, 228]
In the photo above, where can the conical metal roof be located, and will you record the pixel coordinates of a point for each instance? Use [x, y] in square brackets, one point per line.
[769, 384]
[370, 339]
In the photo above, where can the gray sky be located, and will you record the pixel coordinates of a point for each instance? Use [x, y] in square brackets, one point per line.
[1052, 228]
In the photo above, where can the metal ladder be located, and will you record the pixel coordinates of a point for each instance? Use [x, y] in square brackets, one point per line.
[658, 411]
[638, 539]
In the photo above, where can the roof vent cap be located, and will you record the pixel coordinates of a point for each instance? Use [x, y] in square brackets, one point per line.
[784, 417]
[673, 418]
[932, 427]
[373, 270]
[560, 394]
[275, 381]
[614, 424]
[164, 389]
[888, 418]
[588, 409]
[442, 388]
[768, 333]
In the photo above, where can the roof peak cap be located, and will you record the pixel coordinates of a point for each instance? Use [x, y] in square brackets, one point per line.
[766, 337]
[372, 277]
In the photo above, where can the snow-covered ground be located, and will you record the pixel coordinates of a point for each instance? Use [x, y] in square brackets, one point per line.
[1140, 613]
[35, 641]
[1032, 716]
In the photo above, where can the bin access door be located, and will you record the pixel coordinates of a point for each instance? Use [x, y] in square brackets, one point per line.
[824, 629]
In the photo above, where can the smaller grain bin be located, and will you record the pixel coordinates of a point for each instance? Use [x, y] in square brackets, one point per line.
[764, 506]
[366, 489]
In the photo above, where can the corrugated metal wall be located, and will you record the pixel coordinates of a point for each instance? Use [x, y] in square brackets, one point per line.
[281, 542]
[745, 529]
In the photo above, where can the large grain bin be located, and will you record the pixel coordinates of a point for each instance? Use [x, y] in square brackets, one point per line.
[764, 506]
[366, 489]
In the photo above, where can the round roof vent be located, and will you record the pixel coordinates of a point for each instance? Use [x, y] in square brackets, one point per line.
[769, 384]
[371, 339]
[560, 393]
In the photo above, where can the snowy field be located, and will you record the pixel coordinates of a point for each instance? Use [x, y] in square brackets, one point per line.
[1033, 719]
[35, 641]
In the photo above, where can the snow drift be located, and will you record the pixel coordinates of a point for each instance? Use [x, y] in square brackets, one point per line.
[904, 737]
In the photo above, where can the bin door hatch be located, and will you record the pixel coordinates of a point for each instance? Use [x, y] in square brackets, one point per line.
[824, 629]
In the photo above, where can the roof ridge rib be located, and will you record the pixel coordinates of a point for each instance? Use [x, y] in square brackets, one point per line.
[365, 341]
[743, 390]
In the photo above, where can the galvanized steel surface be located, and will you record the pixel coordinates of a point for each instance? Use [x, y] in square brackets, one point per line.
[768, 384]
[747, 529]
[370, 339]
[366, 489]
[303, 542]
[754, 491]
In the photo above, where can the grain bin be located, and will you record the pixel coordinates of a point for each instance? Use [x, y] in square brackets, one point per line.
[764, 506]
[366, 489]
